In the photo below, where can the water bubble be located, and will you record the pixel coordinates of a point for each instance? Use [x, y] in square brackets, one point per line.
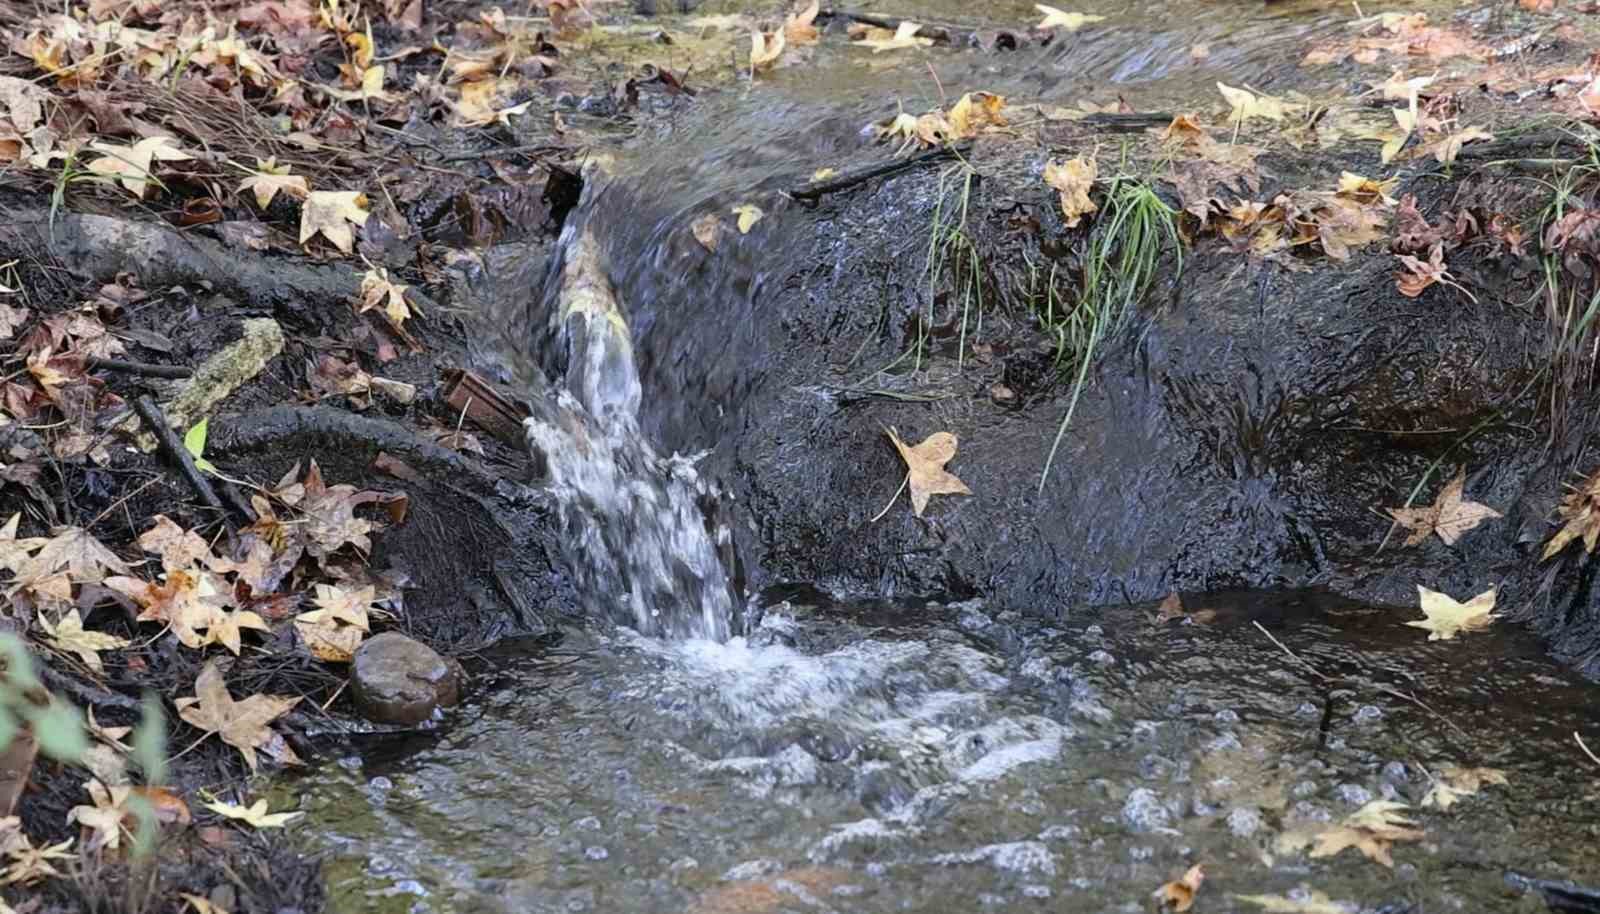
[596, 853]
[1366, 715]
[1354, 794]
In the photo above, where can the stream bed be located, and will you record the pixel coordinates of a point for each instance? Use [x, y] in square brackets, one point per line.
[865, 758]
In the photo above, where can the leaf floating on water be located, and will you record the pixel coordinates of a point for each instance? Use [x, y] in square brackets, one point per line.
[925, 464]
[1454, 784]
[823, 174]
[1060, 19]
[1179, 893]
[799, 28]
[765, 49]
[256, 816]
[1372, 830]
[1073, 179]
[1447, 618]
[1314, 902]
[1450, 515]
[749, 214]
[905, 36]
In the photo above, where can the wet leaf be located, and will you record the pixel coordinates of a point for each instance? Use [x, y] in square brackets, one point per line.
[799, 29]
[1418, 274]
[194, 441]
[1580, 509]
[179, 549]
[1178, 894]
[75, 552]
[1450, 515]
[976, 112]
[69, 635]
[1073, 179]
[904, 36]
[1246, 105]
[765, 49]
[1058, 19]
[241, 724]
[270, 178]
[749, 214]
[330, 213]
[379, 291]
[255, 816]
[1455, 784]
[1372, 830]
[925, 465]
[199, 904]
[1446, 618]
[1314, 902]
[131, 164]
[103, 820]
[706, 230]
[1447, 149]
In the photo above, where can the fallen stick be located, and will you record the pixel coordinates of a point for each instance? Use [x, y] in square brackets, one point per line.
[174, 372]
[167, 440]
[849, 179]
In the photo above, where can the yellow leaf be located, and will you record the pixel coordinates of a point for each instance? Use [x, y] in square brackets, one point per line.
[241, 724]
[1179, 893]
[1454, 784]
[1073, 179]
[1247, 104]
[765, 49]
[131, 164]
[371, 87]
[69, 635]
[1580, 508]
[749, 214]
[798, 28]
[905, 36]
[330, 213]
[823, 174]
[1057, 19]
[925, 465]
[974, 112]
[378, 291]
[270, 177]
[256, 816]
[1448, 148]
[1445, 618]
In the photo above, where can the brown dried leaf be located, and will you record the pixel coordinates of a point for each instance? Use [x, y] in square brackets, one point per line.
[1073, 179]
[1450, 515]
[241, 724]
[925, 464]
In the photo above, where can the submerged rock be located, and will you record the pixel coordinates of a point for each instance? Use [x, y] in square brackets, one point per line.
[399, 680]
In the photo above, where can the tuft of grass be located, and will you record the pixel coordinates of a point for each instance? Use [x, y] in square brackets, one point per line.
[1571, 312]
[953, 254]
[1125, 249]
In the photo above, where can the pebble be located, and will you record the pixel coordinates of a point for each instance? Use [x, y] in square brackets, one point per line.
[399, 680]
[1303, 789]
[1354, 794]
[1143, 811]
[1243, 821]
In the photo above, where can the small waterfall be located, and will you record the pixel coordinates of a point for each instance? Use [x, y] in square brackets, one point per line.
[643, 538]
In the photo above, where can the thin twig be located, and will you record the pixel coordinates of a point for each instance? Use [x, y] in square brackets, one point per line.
[156, 420]
[1586, 750]
[174, 372]
[1292, 655]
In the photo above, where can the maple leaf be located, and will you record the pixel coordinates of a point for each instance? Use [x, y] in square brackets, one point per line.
[799, 27]
[224, 628]
[1580, 508]
[1366, 190]
[370, 88]
[1246, 104]
[1344, 224]
[256, 816]
[270, 178]
[104, 818]
[904, 36]
[378, 290]
[1058, 19]
[334, 631]
[765, 49]
[1450, 516]
[749, 214]
[330, 212]
[1372, 830]
[75, 552]
[69, 635]
[31, 864]
[10, 319]
[1314, 902]
[241, 724]
[925, 468]
[1419, 274]
[1073, 179]
[1454, 784]
[131, 164]
[329, 515]
[1445, 618]
[1179, 893]
[1446, 150]
[179, 549]
[975, 112]
[14, 553]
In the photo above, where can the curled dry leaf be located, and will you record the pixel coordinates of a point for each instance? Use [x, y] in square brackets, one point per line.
[925, 466]
[1417, 275]
[1073, 180]
[1446, 618]
[904, 36]
[1178, 895]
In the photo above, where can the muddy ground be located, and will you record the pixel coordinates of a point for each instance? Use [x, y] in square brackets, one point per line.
[1244, 430]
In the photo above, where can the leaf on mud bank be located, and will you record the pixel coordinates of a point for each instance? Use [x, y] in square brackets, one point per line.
[748, 214]
[1372, 830]
[1446, 149]
[1073, 179]
[925, 468]
[1455, 784]
[69, 635]
[179, 549]
[1312, 902]
[379, 291]
[1580, 510]
[1178, 895]
[131, 164]
[904, 36]
[1446, 618]
[975, 112]
[330, 213]
[75, 553]
[270, 178]
[255, 816]
[1060, 19]
[1417, 275]
[1450, 515]
[241, 724]
[1246, 105]
[1344, 225]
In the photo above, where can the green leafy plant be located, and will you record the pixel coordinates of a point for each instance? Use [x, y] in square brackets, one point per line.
[194, 441]
[56, 725]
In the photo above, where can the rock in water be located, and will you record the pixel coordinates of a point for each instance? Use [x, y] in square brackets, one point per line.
[399, 680]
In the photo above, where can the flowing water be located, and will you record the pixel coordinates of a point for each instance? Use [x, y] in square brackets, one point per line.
[808, 753]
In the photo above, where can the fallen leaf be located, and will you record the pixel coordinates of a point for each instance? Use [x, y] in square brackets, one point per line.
[270, 178]
[822, 174]
[179, 549]
[975, 112]
[1450, 515]
[75, 552]
[706, 230]
[799, 29]
[70, 636]
[1344, 225]
[104, 819]
[379, 291]
[1580, 509]
[1057, 19]
[1419, 274]
[925, 466]
[749, 214]
[1315, 902]
[1073, 179]
[256, 816]
[1454, 784]
[241, 724]
[1398, 88]
[131, 164]
[1246, 104]
[1445, 618]
[1447, 149]
[29, 864]
[11, 318]
[370, 88]
[1366, 190]
[1179, 893]
[904, 36]
[765, 49]
[1372, 830]
[200, 904]
[330, 212]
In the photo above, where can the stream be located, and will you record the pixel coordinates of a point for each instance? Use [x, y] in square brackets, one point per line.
[804, 751]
